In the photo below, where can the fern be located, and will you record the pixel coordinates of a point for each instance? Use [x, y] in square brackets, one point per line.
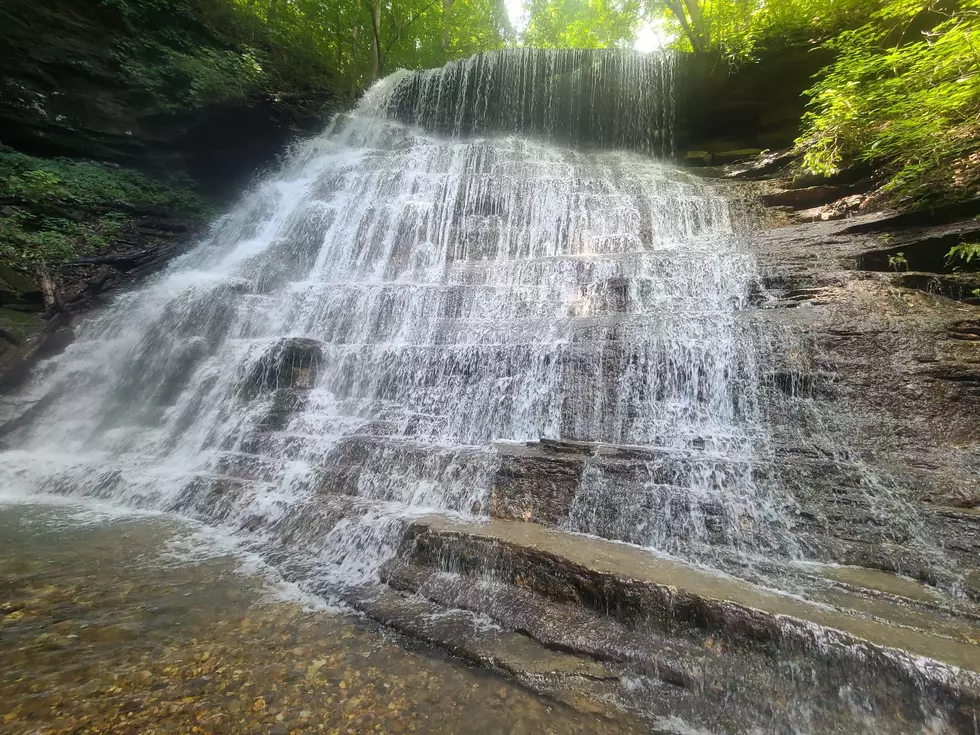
[965, 252]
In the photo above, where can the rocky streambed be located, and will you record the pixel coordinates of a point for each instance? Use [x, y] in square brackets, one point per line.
[126, 625]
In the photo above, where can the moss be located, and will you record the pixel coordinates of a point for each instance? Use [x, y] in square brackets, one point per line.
[18, 324]
[58, 209]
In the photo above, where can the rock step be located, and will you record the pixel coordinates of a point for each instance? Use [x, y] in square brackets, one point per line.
[543, 482]
[639, 262]
[708, 684]
[591, 687]
[542, 657]
[641, 487]
[886, 649]
[612, 293]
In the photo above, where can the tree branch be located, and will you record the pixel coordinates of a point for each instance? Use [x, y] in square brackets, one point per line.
[396, 35]
[675, 7]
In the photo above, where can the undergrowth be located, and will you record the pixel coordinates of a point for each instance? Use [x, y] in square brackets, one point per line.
[904, 95]
[58, 209]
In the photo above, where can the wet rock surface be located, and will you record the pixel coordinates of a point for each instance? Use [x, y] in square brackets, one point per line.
[726, 655]
[902, 364]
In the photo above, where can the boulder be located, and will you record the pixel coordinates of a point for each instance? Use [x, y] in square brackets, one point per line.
[697, 159]
[290, 363]
[813, 196]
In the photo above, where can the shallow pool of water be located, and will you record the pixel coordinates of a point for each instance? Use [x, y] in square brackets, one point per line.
[107, 626]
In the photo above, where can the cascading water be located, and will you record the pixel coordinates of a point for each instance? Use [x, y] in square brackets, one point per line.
[345, 349]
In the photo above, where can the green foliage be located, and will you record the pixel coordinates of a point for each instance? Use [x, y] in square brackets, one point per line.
[61, 209]
[898, 262]
[346, 44]
[582, 23]
[738, 28]
[172, 49]
[904, 93]
[963, 254]
[62, 180]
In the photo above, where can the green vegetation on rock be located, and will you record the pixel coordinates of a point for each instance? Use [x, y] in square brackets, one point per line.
[904, 94]
[898, 262]
[901, 93]
[191, 53]
[965, 255]
[57, 209]
[290, 46]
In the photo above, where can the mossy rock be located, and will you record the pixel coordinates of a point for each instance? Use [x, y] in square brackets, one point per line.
[18, 280]
[735, 156]
[20, 324]
[697, 158]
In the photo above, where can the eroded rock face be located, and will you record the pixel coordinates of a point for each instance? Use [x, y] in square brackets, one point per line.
[65, 92]
[904, 363]
[724, 112]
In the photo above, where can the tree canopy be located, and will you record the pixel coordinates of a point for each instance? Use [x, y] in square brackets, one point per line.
[582, 23]
[903, 93]
[739, 27]
[362, 40]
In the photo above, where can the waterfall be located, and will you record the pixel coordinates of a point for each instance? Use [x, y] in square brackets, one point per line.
[598, 98]
[440, 272]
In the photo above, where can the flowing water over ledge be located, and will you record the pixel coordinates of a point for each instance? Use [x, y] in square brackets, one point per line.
[108, 626]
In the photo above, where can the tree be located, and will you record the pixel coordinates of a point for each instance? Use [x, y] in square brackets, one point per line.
[583, 23]
[737, 27]
[359, 41]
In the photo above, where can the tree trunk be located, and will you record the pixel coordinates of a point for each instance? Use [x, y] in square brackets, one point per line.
[355, 50]
[49, 291]
[447, 11]
[692, 35]
[697, 23]
[375, 8]
[273, 11]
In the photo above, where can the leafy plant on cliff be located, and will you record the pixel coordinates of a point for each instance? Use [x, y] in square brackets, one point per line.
[904, 94]
[173, 50]
[55, 209]
[898, 261]
[964, 254]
